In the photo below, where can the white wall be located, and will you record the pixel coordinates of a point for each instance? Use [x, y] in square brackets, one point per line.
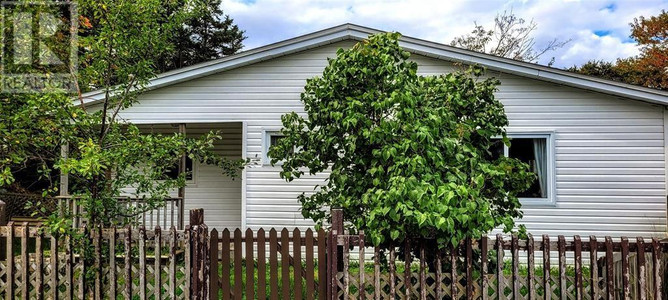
[609, 151]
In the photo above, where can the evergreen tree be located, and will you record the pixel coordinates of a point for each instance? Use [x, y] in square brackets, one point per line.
[208, 33]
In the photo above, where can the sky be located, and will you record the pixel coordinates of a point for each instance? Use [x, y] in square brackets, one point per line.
[597, 29]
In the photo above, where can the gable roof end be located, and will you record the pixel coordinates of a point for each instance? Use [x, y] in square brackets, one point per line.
[418, 46]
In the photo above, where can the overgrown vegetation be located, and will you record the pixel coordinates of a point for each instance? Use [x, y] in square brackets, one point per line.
[119, 43]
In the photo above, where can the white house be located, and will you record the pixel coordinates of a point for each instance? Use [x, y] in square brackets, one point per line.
[600, 146]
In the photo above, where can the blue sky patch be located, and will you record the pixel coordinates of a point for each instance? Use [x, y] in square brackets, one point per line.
[602, 32]
[610, 7]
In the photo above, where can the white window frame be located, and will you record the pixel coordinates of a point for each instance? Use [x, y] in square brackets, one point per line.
[266, 143]
[551, 166]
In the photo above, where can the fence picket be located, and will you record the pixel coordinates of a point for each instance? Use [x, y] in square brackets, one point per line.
[561, 247]
[516, 266]
[226, 264]
[656, 266]
[9, 289]
[250, 273]
[333, 265]
[142, 263]
[593, 267]
[83, 271]
[69, 265]
[499, 268]
[376, 273]
[322, 266]
[626, 289]
[261, 265]
[439, 274]
[157, 266]
[285, 264]
[98, 262]
[609, 271]
[483, 268]
[214, 279]
[128, 263]
[172, 262]
[362, 285]
[310, 282]
[469, 269]
[407, 268]
[112, 263]
[188, 258]
[423, 275]
[393, 271]
[531, 272]
[578, 267]
[453, 273]
[54, 267]
[39, 267]
[547, 294]
[642, 278]
[25, 264]
[297, 266]
[238, 279]
[273, 264]
[346, 261]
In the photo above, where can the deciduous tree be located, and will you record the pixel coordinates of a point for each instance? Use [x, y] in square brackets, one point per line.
[511, 37]
[406, 155]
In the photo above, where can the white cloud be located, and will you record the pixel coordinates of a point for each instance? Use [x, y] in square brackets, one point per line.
[267, 21]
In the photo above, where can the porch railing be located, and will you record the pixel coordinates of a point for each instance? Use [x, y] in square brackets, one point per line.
[169, 214]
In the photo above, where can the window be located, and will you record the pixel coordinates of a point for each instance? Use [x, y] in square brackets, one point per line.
[271, 138]
[173, 172]
[536, 151]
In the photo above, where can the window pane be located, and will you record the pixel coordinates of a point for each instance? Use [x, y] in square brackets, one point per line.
[496, 149]
[273, 140]
[173, 172]
[532, 151]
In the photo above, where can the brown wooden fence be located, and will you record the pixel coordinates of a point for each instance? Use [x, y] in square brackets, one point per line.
[198, 263]
[496, 268]
[136, 263]
[566, 269]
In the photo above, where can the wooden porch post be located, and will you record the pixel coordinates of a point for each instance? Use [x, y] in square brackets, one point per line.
[64, 188]
[64, 178]
[182, 190]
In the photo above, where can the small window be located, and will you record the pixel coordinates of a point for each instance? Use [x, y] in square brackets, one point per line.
[536, 151]
[173, 172]
[271, 139]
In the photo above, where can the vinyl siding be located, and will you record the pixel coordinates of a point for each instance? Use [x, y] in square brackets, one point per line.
[610, 155]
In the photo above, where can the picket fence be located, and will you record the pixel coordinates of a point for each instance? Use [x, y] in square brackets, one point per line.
[198, 263]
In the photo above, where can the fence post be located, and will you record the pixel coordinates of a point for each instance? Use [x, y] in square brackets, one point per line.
[200, 255]
[3, 213]
[334, 255]
[337, 224]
